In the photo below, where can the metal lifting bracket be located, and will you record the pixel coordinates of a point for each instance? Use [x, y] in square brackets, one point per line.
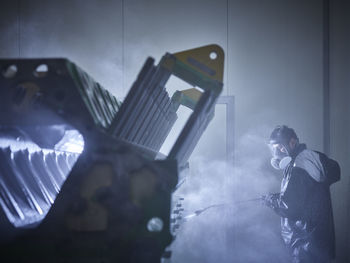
[203, 68]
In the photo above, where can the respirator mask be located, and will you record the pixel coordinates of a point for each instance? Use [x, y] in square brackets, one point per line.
[280, 156]
[282, 146]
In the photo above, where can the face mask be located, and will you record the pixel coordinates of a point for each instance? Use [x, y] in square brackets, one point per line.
[275, 163]
[280, 158]
[281, 164]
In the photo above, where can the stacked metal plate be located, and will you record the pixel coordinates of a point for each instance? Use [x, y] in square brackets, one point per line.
[146, 116]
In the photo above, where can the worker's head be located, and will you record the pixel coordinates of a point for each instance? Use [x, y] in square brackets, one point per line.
[283, 141]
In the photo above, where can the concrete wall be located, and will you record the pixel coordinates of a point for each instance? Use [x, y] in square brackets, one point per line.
[274, 60]
[275, 66]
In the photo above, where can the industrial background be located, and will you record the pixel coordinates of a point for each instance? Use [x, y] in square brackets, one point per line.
[287, 62]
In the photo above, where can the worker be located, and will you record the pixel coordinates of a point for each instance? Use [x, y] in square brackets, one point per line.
[304, 202]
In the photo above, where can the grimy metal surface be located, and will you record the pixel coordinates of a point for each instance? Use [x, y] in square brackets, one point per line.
[78, 179]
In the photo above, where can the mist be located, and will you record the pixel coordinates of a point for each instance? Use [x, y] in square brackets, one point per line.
[241, 231]
[274, 67]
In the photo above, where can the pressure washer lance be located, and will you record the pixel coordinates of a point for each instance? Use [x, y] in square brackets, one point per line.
[200, 211]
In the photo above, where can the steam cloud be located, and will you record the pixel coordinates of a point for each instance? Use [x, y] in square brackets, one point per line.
[241, 232]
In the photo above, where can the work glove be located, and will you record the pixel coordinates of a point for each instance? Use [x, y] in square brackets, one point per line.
[270, 200]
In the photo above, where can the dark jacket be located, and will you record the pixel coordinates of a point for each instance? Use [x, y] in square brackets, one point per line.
[305, 207]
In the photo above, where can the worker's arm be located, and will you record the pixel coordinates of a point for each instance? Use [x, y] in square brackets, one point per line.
[291, 203]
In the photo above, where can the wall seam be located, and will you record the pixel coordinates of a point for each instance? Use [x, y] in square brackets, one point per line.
[19, 27]
[326, 77]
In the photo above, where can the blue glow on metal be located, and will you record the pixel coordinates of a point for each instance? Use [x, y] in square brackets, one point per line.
[31, 177]
[72, 141]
